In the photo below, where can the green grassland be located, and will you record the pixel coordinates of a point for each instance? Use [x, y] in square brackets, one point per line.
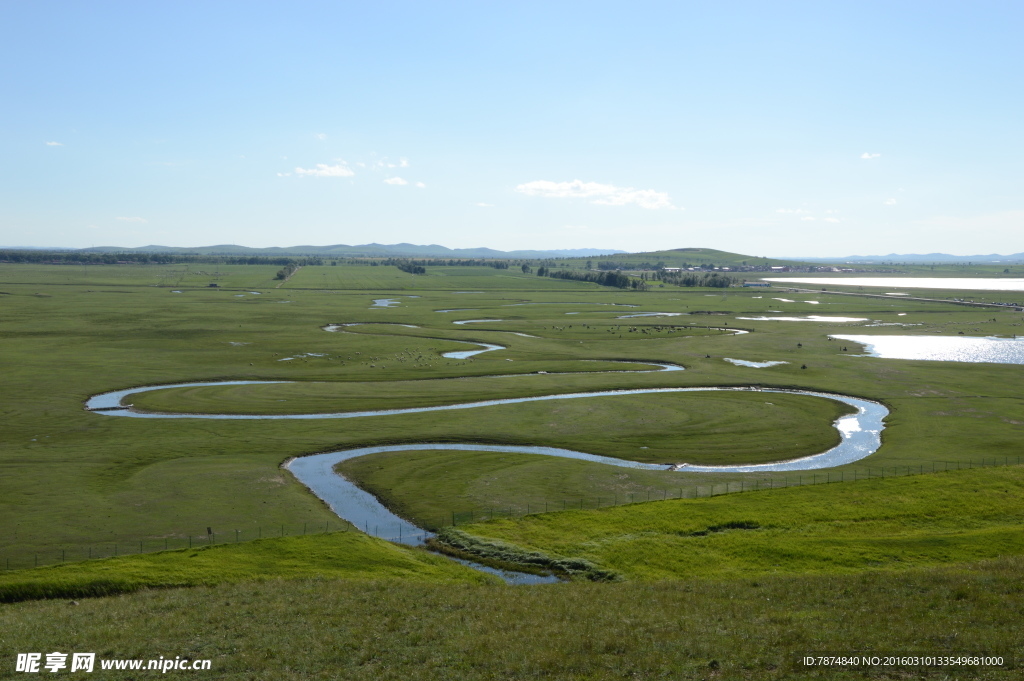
[338, 555]
[682, 629]
[70, 478]
[894, 523]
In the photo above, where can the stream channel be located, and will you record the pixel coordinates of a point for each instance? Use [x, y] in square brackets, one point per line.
[861, 437]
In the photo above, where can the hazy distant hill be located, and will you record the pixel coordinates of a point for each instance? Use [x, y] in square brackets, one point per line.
[342, 250]
[923, 258]
[679, 257]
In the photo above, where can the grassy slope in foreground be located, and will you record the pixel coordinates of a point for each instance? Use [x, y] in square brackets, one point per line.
[339, 555]
[879, 523]
[401, 631]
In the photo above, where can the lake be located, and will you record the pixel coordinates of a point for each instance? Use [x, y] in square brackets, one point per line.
[942, 348]
[959, 284]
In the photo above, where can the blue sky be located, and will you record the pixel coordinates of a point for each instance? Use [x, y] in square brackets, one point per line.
[767, 128]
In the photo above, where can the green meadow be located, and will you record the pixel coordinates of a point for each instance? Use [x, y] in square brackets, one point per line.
[735, 584]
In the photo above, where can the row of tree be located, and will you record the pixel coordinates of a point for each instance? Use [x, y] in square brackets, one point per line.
[411, 268]
[616, 279]
[78, 258]
[708, 279]
[440, 262]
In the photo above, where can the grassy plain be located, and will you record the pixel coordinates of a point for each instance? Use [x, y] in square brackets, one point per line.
[894, 523]
[681, 629]
[348, 555]
[70, 478]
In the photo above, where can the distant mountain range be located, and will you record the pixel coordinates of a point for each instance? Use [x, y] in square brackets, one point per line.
[366, 250]
[921, 258]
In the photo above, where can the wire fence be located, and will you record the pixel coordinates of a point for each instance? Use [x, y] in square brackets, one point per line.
[714, 489]
[171, 542]
[17, 560]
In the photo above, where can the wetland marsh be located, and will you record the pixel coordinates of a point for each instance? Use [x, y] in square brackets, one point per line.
[74, 477]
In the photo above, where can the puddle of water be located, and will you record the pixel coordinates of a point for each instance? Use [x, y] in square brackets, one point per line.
[809, 318]
[784, 300]
[891, 324]
[477, 321]
[510, 577]
[618, 304]
[652, 314]
[335, 327]
[384, 302]
[239, 295]
[897, 294]
[458, 309]
[175, 291]
[464, 354]
[754, 365]
[812, 302]
[943, 348]
[962, 284]
[305, 354]
[575, 313]
[234, 343]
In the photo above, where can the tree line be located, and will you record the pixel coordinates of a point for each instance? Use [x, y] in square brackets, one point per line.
[77, 258]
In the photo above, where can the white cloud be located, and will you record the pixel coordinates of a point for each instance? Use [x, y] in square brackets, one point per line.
[485, 205]
[602, 194]
[832, 220]
[395, 181]
[867, 155]
[284, 174]
[54, 144]
[403, 163]
[138, 220]
[324, 170]
[321, 136]
[807, 218]
[889, 202]
[793, 211]
[421, 185]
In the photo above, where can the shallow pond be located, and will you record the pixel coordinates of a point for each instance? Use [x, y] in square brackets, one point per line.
[959, 284]
[942, 348]
[808, 318]
[465, 354]
[335, 327]
[753, 365]
[652, 314]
